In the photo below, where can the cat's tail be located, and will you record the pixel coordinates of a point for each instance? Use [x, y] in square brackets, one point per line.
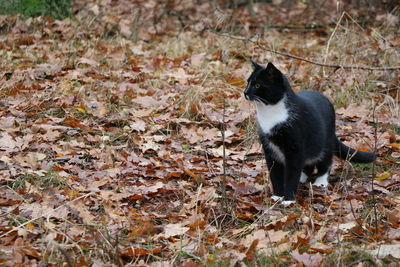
[348, 153]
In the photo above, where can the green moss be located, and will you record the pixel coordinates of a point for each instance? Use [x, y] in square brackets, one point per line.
[57, 9]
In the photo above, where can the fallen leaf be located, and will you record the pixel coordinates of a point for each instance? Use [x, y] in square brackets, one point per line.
[174, 230]
[382, 176]
[385, 250]
[307, 259]
[252, 250]
[393, 216]
[7, 142]
[395, 145]
[135, 252]
[83, 213]
[148, 102]
[197, 59]
[347, 226]
[87, 61]
[319, 247]
[125, 27]
[265, 238]
[238, 82]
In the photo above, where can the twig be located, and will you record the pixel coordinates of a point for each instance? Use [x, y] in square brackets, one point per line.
[373, 167]
[359, 261]
[330, 39]
[67, 257]
[223, 152]
[118, 259]
[337, 66]
[360, 223]
[43, 215]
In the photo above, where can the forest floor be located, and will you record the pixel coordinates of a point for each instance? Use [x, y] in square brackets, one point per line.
[125, 138]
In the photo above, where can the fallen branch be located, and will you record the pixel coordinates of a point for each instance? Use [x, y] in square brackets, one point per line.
[337, 66]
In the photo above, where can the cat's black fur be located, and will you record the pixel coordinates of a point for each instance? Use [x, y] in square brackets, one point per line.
[303, 138]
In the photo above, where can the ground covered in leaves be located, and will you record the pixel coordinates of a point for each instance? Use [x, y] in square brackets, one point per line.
[125, 138]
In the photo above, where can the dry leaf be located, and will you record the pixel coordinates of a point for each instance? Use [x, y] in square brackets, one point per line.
[307, 259]
[7, 142]
[197, 59]
[385, 250]
[382, 176]
[174, 230]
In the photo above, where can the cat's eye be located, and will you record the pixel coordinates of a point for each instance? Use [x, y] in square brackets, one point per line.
[257, 85]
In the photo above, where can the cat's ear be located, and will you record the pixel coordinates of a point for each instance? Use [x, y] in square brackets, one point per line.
[255, 65]
[272, 73]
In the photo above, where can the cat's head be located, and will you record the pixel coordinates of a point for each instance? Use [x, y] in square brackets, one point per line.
[265, 84]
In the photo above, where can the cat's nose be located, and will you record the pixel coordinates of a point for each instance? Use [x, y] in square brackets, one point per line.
[246, 93]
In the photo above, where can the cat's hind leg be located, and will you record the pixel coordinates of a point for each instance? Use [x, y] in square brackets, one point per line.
[307, 171]
[323, 168]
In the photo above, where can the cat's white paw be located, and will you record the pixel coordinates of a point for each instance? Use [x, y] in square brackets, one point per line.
[288, 202]
[321, 184]
[276, 198]
[303, 178]
[322, 180]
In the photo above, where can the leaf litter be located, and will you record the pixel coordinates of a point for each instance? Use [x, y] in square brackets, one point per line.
[111, 149]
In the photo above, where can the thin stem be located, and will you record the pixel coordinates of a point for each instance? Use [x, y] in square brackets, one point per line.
[337, 66]
[373, 167]
[223, 186]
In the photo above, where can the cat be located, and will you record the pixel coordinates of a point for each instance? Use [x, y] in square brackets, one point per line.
[297, 132]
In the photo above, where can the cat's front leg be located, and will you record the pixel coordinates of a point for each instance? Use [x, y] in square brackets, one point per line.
[276, 174]
[292, 178]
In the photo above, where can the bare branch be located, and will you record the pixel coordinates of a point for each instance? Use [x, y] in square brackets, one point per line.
[337, 66]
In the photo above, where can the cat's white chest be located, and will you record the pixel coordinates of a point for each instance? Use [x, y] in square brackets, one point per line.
[268, 116]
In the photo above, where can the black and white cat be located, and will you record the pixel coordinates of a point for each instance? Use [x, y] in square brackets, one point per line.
[297, 132]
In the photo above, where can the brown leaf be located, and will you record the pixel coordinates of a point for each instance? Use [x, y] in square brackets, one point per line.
[394, 234]
[354, 111]
[393, 216]
[301, 242]
[148, 102]
[237, 82]
[75, 123]
[319, 247]
[87, 61]
[144, 230]
[251, 250]
[7, 142]
[125, 27]
[395, 145]
[174, 230]
[265, 238]
[32, 252]
[242, 188]
[307, 259]
[285, 221]
[138, 125]
[84, 214]
[134, 252]
[197, 59]
[385, 250]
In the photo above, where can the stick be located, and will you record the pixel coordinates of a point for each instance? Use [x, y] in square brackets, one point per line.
[223, 152]
[375, 120]
[330, 39]
[337, 66]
